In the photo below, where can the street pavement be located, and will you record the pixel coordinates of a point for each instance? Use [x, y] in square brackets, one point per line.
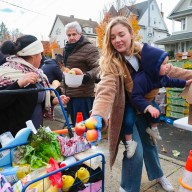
[173, 167]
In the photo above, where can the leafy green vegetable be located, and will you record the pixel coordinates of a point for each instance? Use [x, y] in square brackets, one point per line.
[41, 147]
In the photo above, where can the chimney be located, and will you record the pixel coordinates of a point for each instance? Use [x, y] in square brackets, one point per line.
[90, 19]
[72, 16]
[162, 13]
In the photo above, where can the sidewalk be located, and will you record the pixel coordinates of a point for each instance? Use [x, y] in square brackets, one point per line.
[172, 168]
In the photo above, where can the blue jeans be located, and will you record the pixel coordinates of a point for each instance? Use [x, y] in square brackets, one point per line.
[79, 104]
[128, 120]
[132, 168]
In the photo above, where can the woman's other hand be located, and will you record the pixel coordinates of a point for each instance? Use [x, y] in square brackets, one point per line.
[188, 82]
[64, 100]
[28, 78]
[154, 112]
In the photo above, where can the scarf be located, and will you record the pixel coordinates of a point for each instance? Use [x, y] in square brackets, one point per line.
[69, 49]
[15, 68]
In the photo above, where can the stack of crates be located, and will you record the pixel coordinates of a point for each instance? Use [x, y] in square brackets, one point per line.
[177, 107]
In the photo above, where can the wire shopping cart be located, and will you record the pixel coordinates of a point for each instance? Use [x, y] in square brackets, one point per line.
[92, 160]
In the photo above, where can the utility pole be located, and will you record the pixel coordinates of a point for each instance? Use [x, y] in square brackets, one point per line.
[149, 28]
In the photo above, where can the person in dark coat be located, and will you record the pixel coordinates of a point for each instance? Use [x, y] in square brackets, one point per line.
[80, 53]
[7, 45]
[2, 58]
[52, 70]
[155, 67]
[21, 71]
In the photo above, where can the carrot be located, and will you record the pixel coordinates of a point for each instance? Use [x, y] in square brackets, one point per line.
[62, 131]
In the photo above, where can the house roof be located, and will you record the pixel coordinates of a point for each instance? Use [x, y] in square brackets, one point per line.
[176, 14]
[175, 9]
[141, 7]
[82, 22]
[138, 9]
[113, 11]
[175, 38]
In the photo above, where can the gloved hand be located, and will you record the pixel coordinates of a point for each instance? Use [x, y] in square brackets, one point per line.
[98, 126]
[86, 78]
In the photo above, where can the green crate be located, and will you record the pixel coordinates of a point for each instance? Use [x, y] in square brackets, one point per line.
[173, 94]
[179, 102]
[179, 109]
[175, 115]
[175, 89]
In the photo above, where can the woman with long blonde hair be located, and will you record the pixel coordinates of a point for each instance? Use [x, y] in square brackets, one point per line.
[120, 62]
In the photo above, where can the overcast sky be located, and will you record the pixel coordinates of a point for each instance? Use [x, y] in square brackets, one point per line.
[36, 17]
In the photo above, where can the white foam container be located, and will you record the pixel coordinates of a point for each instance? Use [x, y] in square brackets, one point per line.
[72, 80]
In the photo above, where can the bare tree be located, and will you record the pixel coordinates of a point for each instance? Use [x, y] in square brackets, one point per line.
[15, 33]
[4, 33]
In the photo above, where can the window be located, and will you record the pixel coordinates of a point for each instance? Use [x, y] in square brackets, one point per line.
[154, 21]
[58, 31]
[182, 47]
[183, 21]
[152, 7]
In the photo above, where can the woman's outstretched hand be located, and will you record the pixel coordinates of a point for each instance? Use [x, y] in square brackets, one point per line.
[98, 124]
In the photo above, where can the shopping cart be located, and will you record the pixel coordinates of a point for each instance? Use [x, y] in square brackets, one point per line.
[97, 158]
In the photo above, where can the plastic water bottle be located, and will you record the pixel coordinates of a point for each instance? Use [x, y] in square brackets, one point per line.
[6, 138]
[186, 180]
[68, 161]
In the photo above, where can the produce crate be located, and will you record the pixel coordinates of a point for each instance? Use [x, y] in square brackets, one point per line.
[179, 109]
[183, 56]
[179, 102]
[175, 115]
[175, 89]
[173, 94]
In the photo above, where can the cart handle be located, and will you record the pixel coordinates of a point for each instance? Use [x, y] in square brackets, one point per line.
[21, 91]
[67, 167]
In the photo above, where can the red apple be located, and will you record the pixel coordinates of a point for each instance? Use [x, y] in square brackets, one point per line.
[72, 72]
[91, 123]
[77, 71]
[92, 135]
[80, 129]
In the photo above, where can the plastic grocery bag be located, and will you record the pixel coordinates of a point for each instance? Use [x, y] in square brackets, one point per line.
[4, 185]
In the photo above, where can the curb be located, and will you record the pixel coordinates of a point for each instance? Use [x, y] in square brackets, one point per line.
[172, 160]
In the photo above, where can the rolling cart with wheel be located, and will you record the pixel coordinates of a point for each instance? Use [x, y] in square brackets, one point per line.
[95, 178]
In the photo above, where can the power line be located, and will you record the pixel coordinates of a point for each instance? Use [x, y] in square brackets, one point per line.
[22, 8]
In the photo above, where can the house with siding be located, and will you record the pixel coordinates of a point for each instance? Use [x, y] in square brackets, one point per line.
[180, 40]
[153, 26]
[150, 32]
